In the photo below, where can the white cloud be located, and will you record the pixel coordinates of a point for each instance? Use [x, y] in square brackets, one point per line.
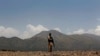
[79, 31]
[58, 29]
[32, 30]
[28, 33]
[8, 32]
[95, 31]
[36, 28]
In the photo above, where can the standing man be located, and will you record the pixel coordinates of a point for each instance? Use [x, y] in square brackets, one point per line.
[50, 43]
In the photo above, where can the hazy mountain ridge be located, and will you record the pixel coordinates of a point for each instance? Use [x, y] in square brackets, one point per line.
[62, 42]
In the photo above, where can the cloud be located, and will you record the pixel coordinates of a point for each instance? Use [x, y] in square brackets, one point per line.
[79, 31]
[8, 32]
[32, 30]
[95, 31]
[37, 28]
[58, 29]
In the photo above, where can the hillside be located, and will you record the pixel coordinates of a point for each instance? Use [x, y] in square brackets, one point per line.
[62, 42]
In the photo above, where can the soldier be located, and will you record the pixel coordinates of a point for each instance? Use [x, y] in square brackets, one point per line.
[50, 43]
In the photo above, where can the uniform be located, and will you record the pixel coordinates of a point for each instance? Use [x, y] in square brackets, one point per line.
[50, 43]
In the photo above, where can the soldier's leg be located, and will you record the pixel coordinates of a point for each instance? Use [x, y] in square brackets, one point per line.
[50, 48]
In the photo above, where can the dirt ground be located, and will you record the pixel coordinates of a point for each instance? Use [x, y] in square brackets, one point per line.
[55, 53]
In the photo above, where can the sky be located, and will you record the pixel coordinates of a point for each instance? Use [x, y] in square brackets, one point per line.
[25, 18]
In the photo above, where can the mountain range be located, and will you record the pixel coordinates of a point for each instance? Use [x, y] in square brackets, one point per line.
[63, 42]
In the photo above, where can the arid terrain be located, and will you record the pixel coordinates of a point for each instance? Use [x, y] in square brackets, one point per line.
[55, 53]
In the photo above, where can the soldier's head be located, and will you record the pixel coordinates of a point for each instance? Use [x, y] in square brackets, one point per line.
[49, 34]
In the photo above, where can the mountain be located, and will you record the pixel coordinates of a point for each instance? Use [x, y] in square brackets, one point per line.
[62, 42]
